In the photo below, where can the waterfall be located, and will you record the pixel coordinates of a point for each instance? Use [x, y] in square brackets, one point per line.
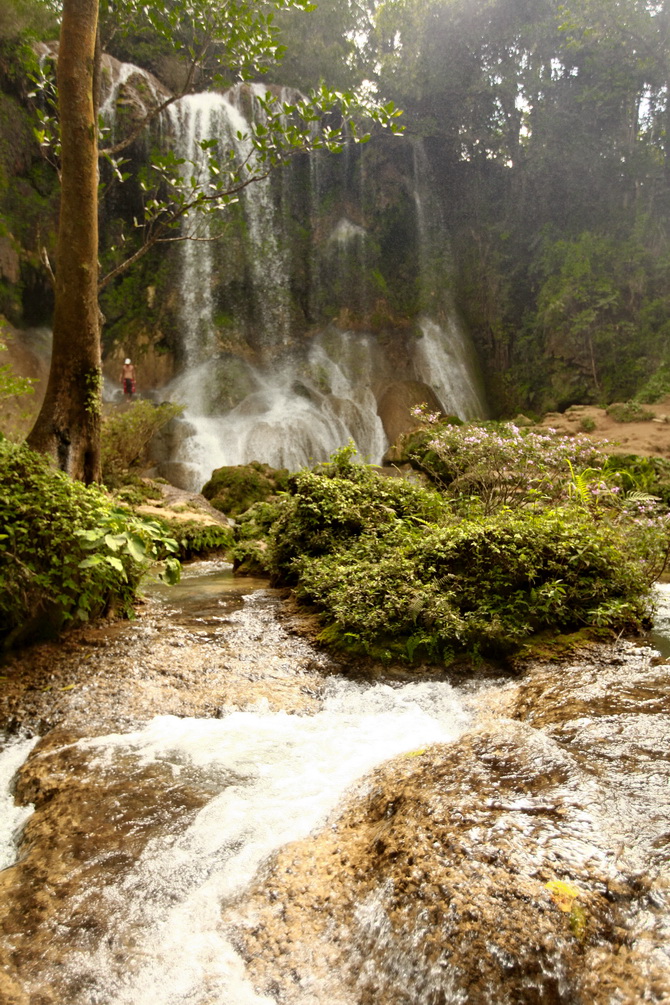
[196, 118]
[116, 76]
[296, 414]
[269, 266]
[307, 312]
[444, 357]
[445, 361]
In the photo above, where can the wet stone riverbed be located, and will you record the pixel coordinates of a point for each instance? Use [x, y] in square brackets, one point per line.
[223, 814]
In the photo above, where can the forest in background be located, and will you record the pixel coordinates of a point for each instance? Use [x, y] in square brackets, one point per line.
[547, 129]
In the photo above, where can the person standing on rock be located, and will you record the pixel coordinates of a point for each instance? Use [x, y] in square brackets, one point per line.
[128, 379]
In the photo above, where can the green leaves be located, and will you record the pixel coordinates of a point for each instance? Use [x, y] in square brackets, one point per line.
[11, 385]
[394, 571]
[68, 552]
[125, 435]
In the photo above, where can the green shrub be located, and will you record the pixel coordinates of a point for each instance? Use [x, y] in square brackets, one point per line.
[126, 435]
[394, 570]
[195, 539]
[587, 424]
[656, 387]
[483, 585]
[10, 384]
[341, 501]
[67, 552]
[252, 531]
[629, 411]
[642, 474]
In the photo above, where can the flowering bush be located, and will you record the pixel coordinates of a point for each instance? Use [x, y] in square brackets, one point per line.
[488, 466]
[502, 465]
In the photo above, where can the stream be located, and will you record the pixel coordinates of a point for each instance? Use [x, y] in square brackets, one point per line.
[317, 837]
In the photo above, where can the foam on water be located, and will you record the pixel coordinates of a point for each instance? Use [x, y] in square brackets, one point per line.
[297, 414]
[12, 817]
[286, 774]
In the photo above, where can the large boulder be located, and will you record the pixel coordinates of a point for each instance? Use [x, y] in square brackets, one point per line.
[396, 403]
[470, 872]
[234, 489]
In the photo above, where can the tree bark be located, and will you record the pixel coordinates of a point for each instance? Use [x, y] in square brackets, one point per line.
[68, 425]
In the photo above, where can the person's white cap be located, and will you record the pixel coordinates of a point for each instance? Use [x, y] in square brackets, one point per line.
[127, 361]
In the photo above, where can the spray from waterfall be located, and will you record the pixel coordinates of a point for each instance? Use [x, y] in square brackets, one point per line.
[265, 376]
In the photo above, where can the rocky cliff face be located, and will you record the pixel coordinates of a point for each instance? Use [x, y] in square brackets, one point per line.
[317, 309]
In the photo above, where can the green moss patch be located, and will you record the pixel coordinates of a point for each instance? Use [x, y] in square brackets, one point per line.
[233, 490]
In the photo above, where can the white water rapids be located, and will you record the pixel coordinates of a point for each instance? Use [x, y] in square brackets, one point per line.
[270, 778]
[288, 772]
[274, 776]
[12, 817]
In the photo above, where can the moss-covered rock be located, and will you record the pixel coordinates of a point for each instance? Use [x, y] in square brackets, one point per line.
[233, 490]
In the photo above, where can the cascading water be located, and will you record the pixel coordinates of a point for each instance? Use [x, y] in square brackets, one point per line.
[446, 363]
[284, 774]
[215, 797]
[443, 359]
[255, 384]
[198, 118]
[118, 76]
[12, 817]
[301, 412]
[195, 118]
[494, 860]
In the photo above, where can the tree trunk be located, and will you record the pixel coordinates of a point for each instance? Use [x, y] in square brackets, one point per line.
[68, 426]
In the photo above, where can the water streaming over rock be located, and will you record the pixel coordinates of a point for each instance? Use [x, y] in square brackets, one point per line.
[511, 851]
[13, 752]
[280, 775]
[311, 404]
[265, 375]
[200, 804]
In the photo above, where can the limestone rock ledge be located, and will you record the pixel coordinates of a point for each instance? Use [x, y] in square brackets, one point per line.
[473, 872]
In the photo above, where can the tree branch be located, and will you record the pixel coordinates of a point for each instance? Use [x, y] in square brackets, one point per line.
[164, 225]
[123, 144]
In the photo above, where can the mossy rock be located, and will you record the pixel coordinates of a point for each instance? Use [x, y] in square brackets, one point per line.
[250, 558]
[410, 447]
[233, 490]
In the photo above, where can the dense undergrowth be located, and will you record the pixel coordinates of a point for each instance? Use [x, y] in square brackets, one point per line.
[126, 435]
[68, 552]
[504, 534]
[516, 533]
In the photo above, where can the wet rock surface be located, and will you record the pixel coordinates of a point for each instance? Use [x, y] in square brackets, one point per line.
[200, 649]
[525, 862]
[87, 829]
[516, 865]
[180, 657]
